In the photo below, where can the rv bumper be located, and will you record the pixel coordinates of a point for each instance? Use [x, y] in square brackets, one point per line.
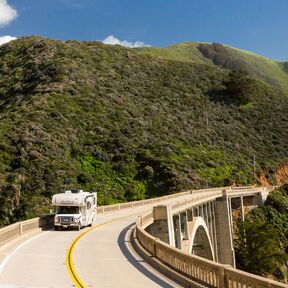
[66, 225]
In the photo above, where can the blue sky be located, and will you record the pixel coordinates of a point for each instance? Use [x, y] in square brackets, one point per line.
[259, 26]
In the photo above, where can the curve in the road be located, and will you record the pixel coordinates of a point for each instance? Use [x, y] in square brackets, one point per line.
[69, 255]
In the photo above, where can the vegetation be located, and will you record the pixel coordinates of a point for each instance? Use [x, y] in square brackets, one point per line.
[127, 124]
[262, 243]
[271, 72]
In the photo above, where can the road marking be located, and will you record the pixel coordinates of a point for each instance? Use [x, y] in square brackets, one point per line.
[69, 255]
[20, 246]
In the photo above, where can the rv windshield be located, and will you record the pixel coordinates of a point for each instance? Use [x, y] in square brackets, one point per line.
[67, 210]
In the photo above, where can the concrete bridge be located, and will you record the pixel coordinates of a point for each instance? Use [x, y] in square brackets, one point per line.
[116, 252]
[205, 227]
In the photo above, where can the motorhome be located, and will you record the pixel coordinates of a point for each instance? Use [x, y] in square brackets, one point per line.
[74, 208]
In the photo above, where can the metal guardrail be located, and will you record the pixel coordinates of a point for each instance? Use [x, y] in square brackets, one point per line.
[204, 271]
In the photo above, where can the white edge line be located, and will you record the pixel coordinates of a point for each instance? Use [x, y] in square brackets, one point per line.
[16, 249]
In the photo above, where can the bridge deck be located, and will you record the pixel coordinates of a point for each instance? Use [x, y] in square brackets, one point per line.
[102, 258]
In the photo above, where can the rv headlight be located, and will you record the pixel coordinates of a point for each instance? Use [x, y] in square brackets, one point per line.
[57, 219]
[76, 219]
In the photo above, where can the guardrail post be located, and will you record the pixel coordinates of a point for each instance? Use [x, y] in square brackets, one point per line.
[154, 247]
[139, 221]
[222, 277]
[20, 228]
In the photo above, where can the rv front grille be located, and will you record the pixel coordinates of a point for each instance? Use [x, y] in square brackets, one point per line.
[66, 220]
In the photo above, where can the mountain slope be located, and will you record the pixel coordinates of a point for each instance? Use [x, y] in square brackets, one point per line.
[264, 69]
[127, 125]
[267, 225]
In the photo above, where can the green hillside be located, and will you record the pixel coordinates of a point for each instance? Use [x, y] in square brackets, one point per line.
[263, 238]
[272, 72]
[128, 125]
[186, 52]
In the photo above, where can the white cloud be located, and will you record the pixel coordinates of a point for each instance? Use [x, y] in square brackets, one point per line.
[111, 40]
[6, 39]
[7, 13]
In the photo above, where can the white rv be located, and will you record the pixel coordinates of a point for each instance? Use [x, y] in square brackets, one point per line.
[74, 208]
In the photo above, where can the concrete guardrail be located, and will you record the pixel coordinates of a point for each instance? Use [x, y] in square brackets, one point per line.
[15, 230]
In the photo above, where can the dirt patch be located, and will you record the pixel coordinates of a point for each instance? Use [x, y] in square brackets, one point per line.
[281, 175]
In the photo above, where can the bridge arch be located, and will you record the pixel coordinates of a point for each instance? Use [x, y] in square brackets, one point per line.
[200, 243]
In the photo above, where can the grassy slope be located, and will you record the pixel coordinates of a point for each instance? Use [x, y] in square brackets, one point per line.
[127, 125]
[269, 71]
[186, 52]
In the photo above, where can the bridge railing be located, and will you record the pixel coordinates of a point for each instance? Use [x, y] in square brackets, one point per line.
[132, 204]
[15, 230]
[205, 271]
[128, 205]
[191, 266]
[235, 278]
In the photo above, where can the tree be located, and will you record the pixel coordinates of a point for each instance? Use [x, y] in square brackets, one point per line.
[257, 248]
[240, 88]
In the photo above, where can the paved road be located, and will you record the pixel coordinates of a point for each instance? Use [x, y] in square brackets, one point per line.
[103, 257]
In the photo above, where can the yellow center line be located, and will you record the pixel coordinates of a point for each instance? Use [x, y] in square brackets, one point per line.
[69, 255]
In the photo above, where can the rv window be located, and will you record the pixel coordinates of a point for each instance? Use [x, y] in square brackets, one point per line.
[67, 210]
[88, 205]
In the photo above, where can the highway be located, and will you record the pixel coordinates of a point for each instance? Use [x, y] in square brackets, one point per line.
[100, 256]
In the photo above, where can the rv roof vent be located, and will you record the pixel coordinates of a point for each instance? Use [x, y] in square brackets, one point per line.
[76, 191]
